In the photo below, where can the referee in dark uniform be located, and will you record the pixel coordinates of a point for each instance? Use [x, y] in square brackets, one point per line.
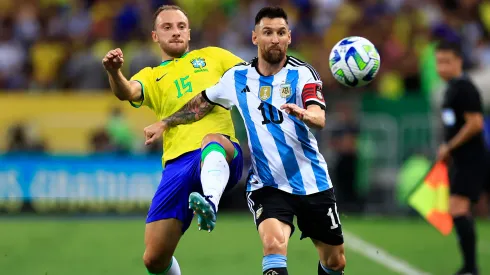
[482, 207]
[463, 148]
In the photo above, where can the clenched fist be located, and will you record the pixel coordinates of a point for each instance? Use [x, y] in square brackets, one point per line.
[113, 60]
[154, 132]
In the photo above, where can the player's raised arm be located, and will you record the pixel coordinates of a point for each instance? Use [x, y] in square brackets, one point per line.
[120, 86]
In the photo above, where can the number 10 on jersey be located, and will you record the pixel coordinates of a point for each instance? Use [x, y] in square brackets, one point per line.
[268, 114]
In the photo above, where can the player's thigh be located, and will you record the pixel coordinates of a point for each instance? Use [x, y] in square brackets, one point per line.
[273, 213]
[223, 141]
[179, 179]
[319, 218]
[161, 239]
[331, 256]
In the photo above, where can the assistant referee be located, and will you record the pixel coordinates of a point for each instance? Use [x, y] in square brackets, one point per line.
[463, 148]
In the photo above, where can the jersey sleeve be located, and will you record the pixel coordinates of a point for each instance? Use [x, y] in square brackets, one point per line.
[310, 87]
[144, 77]
[221, 93]
[469, 99]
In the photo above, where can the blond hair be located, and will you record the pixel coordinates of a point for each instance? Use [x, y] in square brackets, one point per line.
[166, 8]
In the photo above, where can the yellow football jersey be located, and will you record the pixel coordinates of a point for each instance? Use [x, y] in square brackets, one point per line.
[171, 85]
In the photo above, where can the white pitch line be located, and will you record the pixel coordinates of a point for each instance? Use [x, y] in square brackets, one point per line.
[380, 256]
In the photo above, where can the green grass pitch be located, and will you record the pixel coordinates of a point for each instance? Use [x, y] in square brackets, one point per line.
[115, 246]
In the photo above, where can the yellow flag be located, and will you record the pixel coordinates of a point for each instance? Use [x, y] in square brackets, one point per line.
[431, 198]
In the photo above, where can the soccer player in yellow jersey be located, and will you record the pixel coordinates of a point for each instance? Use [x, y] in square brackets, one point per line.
[202, 156]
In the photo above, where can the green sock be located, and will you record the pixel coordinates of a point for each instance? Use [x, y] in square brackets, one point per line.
[212, 146]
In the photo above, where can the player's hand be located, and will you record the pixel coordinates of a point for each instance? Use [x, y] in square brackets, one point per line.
[294, 110]
[154, 132]
[444, 153]
[113, 60]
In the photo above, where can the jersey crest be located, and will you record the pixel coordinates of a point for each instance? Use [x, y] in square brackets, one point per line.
[285, 90]
[199, 64]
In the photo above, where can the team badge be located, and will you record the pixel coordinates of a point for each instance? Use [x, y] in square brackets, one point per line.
[448, 117]
[259, 212]
[265, 92]
[285, 90]
[198, 63]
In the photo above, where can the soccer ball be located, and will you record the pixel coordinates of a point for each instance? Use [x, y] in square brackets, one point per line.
[354, 61]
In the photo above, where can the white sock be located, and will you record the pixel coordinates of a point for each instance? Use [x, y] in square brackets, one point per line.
[215, 173]
[175, 268]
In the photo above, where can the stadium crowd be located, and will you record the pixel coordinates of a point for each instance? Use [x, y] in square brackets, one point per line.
[58, 44]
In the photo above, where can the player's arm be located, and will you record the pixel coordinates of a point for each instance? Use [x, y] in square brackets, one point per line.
[471, 104]
[192, 111]
[313, 115]
[311, 97]
[122, 88]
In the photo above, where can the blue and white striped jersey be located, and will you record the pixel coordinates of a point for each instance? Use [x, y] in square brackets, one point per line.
[284, 152]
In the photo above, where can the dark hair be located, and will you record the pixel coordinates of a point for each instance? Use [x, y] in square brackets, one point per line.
[166, 8]
[271, 12]
[450, 46]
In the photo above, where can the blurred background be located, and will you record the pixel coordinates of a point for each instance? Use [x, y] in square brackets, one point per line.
[69, 148]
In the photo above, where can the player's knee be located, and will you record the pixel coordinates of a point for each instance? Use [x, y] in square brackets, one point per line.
[212, 137]
[223, 141]
[274, 245]
[155, 263]
[336, 262]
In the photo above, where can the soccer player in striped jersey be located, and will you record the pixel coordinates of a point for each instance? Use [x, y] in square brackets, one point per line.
[203, 155]
[279, 98]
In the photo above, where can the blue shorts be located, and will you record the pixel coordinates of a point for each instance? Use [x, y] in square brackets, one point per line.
[180, 178]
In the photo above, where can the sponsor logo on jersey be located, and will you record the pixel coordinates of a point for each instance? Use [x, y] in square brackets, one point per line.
[158, 79]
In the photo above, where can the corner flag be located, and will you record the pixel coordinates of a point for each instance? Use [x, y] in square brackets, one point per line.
[431, 198]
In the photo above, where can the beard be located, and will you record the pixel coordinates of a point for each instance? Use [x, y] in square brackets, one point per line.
[173, 49]
[274, 55]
